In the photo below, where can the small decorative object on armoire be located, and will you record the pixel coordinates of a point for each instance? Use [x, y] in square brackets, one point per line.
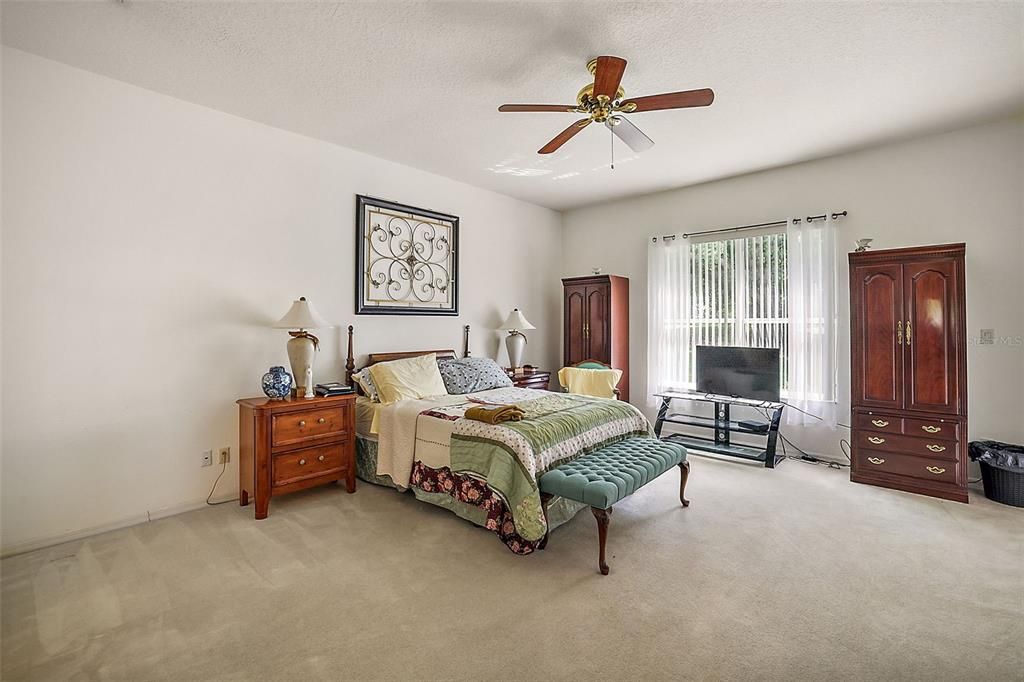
[863, 245]
[277, 383]
[596, 315]
[302, 346]
[515, 342]
[909, 377]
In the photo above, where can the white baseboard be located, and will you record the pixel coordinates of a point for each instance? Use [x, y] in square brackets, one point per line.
[127, 522]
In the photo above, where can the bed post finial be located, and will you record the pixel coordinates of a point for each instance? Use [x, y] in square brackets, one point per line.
[350, 363]
[465, 353]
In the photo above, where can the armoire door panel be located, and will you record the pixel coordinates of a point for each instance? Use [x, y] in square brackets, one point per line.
[575, 320]
[879, 364]
[931, 360]
[598, 347]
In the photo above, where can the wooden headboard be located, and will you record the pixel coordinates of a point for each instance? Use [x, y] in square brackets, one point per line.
[374, 358]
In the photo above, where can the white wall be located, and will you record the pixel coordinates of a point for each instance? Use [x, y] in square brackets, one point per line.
[147, 245]
[963, 186]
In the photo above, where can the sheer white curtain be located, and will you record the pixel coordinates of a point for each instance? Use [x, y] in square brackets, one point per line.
[668, 310]
[812, 283]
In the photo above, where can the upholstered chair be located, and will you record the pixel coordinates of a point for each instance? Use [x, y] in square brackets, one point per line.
[590, 377]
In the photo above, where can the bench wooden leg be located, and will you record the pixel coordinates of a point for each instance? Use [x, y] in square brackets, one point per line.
[602, 516]
[684, 473]
[545, 500]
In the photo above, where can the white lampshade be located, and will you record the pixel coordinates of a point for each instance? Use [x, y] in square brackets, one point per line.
[515, 320]
[302, 315]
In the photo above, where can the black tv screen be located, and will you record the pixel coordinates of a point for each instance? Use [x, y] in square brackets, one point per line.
[739, 372]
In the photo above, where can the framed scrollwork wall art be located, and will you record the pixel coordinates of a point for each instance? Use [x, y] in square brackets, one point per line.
[407, 260]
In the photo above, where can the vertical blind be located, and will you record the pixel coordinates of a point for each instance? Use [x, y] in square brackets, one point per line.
[738, 296]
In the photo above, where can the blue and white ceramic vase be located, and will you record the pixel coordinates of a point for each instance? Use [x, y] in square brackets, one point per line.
[277, 383]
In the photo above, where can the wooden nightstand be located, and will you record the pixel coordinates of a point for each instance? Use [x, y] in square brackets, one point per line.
[289, 445]
[537, 378]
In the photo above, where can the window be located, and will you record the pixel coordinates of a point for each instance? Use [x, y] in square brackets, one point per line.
[737, 297]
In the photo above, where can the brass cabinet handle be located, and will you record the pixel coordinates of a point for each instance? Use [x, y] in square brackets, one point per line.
[302, 462]
[899, 332]
[320, 458]
[935, 448]
[879, 422]
[876, 440]
[321, 420]
[302, 422]
[931, 429]
[936, 470]
[908, 332]
[876, 460]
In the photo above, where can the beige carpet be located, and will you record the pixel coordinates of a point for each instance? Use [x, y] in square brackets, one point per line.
[791, 574]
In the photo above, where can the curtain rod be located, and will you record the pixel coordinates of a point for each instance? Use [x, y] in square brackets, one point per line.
[774, 223]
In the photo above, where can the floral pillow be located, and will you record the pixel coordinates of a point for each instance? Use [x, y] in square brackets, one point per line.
[468, 375]
[365, 381]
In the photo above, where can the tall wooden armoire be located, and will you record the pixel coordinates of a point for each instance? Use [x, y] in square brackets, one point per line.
[908, 340]
[596, 312]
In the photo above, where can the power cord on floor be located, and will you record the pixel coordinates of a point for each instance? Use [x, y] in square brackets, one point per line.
[806, 457]
[224, 467]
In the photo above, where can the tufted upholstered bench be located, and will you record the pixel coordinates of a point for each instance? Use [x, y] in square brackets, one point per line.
[603, 477]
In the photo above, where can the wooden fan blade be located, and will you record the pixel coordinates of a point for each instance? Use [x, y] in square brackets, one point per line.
[672, 100]
[537, 107]
[608, 75]
[564, 136]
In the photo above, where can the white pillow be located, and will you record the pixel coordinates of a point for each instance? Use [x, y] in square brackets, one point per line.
[409, 378]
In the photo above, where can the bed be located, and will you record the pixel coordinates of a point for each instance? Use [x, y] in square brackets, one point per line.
[484, 473]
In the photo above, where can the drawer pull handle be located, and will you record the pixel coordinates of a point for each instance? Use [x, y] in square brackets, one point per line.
[302, 422]
[876, 460]
[320, 458]
[880, 423]
[935, 448]
[321, 420]
[931, 429]
[875, 439]
[936, 470]
[302, 462]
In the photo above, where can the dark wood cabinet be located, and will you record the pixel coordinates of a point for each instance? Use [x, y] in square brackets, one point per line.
[909, 370]
[596, 314]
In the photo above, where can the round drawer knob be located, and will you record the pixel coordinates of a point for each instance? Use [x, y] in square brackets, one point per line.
[302, 422]
[302, 462]
[320, 458]
[321, 420]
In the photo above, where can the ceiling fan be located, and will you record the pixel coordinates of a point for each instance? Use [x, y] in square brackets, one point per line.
[602, 102]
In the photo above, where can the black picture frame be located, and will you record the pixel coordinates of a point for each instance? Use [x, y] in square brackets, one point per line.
[362, 308]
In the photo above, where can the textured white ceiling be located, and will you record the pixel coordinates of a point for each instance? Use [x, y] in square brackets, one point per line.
[419, 83]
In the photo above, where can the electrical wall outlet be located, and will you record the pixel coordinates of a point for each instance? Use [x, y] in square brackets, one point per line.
[988, 337]
[225, 455]
[207, 458]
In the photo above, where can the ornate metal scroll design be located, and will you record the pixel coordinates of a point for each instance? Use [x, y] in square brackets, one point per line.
[409, 260]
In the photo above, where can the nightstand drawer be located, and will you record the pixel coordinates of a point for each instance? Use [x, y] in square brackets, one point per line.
[309, 463]
[886, 462]
[289, 428]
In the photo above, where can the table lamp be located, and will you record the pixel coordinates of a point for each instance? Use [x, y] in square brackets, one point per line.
[515, 342]
[303, 345]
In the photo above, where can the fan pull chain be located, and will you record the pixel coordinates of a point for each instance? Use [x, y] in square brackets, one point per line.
[612, 139]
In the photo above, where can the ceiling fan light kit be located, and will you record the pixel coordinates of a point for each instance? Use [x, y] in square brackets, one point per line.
[602, 102]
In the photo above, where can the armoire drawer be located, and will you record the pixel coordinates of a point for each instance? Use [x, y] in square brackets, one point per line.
[922, 447]
[868, 462]
[880, 422]
[931, 428]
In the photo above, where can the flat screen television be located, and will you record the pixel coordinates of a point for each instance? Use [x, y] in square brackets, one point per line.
[739, 372]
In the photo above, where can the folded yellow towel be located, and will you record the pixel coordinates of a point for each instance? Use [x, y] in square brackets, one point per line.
[495, 414]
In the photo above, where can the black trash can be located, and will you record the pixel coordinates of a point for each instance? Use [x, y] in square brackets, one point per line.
[1002, 470]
